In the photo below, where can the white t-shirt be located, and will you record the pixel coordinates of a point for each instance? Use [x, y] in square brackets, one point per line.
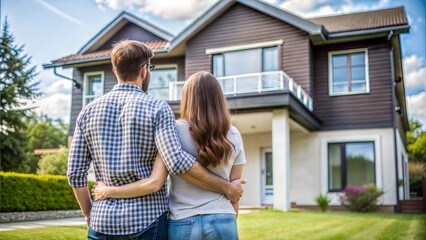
[188, 200]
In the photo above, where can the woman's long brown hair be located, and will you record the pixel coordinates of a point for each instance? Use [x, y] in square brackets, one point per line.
[204, 107]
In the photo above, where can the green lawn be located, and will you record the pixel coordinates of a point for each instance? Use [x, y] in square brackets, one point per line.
[271, 224]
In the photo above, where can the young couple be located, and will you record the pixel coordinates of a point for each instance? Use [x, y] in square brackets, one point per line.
[134, 143]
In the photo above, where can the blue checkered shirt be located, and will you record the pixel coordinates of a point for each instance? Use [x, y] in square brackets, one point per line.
[121, 133]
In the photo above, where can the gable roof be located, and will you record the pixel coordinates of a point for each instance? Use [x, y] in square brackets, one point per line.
[118, 23]
[390, 17]
[220, 7]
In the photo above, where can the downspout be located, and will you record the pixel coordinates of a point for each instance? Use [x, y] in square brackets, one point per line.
[395, 125]
[76, 84]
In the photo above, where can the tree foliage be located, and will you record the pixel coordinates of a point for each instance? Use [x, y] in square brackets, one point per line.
[416, 142]
[54, 164]
[17, 84]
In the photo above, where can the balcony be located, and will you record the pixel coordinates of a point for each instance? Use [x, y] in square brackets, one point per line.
[252, 83]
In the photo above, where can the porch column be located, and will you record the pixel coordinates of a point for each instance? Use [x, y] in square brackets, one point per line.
[281, 158]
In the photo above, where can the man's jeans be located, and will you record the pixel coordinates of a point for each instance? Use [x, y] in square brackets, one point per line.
[208, 227]
[157, 230]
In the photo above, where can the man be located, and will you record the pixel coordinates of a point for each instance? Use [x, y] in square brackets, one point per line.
[120, 133]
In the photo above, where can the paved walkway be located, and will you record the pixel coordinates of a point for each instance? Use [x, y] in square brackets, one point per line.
[53, 223]
[41, 223]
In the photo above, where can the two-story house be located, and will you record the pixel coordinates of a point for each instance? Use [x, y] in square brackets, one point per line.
[320, 102]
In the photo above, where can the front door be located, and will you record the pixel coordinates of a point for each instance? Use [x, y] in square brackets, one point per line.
[267, 178]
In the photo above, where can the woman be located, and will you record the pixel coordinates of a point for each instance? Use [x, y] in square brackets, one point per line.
[205, 131]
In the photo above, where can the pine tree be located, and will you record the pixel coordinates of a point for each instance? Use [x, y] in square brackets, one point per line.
[16, 85]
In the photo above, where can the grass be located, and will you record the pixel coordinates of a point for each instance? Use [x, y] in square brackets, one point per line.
[270, 224]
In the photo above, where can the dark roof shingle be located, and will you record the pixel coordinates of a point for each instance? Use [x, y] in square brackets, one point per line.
[104, 53]
[363, 20]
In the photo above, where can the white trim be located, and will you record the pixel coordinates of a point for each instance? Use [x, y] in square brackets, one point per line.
[350, 138]
[263, 198]
[85, 77]
[210, 51]
[330, 72]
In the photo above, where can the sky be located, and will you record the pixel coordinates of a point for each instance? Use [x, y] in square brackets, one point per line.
[51, 29]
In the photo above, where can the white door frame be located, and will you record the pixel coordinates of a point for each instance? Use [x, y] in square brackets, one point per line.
[266, 199]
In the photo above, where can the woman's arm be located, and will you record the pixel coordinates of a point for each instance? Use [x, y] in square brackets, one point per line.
[135, 189]
[236, 173]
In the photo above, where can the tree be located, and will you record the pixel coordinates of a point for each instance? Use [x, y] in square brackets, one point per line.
[54, 164]
[44, 133]
[416, 142]
[16, 85]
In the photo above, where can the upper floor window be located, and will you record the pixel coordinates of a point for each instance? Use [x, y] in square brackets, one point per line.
[160, 81]
[93, 86]
[245, 61]
[348, 72]
[350, 164]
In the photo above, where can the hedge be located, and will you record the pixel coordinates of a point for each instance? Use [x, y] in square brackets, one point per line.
[30, 192]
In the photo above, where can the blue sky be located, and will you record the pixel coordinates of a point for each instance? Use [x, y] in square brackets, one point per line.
[51, 29]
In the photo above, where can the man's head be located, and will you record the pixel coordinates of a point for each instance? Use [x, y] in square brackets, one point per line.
[130, 61]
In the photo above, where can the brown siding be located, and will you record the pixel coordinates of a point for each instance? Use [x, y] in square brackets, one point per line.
[131, 32]
[109, 82]
[243, 25]
[364, 110]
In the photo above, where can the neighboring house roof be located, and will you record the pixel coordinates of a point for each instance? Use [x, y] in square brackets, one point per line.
[391, 17]
[46, 151]
[115, 25]
[103, 54]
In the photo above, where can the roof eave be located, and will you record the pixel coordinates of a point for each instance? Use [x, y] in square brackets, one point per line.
[399, 29]
[89, 60]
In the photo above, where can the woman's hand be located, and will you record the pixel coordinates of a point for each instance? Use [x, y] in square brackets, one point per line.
[100, 191]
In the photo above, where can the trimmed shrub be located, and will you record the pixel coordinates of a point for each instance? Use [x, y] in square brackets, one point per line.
[30, 192]
[361, 199]
[323, 201]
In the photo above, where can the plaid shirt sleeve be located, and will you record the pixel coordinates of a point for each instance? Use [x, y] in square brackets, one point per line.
[79, 159]
[176, 160]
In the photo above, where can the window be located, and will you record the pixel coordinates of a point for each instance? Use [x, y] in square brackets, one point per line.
[348, 72]
[245, 61]
[93, 86]
[160, 81]
[350, 164]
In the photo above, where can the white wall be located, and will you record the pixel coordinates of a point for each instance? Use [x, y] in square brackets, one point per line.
[253, 145]
[308, 165]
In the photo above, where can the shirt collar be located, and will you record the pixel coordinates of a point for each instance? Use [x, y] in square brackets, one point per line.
[126, 87]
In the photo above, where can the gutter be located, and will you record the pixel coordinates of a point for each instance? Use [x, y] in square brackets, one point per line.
[391, 55]
[76, 84]
[368, 31]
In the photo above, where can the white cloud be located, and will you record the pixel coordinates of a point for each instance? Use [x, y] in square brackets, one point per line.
[417, 107]
[177, 9]
[316, 8]
[414, 72]
[59, 86]
[57, 105]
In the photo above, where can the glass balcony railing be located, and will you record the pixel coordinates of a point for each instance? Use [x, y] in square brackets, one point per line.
[252, 83]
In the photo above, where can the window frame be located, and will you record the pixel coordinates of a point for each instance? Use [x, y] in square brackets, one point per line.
[85, 82]
[166, 66]
[330, 71]
[343, 170]
[240, 50]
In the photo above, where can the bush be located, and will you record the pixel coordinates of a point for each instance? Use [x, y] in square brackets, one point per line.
[416, 169]
[416, 188]
[361, 199]
[30, 192]
[323, 201]
[54, 164]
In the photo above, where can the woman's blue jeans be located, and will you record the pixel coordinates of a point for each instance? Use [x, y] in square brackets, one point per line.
[211, 226]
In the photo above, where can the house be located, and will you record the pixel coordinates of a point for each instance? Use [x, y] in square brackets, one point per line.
[320, 102]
